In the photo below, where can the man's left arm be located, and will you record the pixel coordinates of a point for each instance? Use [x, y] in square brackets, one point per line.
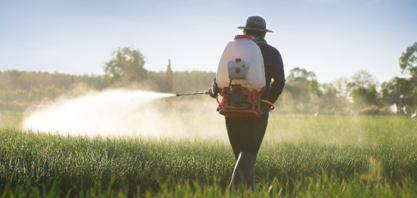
[279, 79]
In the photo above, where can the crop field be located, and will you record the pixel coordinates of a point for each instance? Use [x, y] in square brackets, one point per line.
[301, 156]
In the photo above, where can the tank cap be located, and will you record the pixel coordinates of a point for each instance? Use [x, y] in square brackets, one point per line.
[249, 37]
[238, 60]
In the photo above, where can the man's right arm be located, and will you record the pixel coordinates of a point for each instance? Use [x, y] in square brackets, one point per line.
[214, 90]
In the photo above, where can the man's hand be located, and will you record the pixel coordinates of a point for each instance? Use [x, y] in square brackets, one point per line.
[214, 90]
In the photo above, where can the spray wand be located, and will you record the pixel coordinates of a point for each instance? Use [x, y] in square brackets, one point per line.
[196, 93]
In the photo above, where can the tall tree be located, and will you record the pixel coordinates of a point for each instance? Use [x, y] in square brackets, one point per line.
[298, 83]
[299, 75]
[408, 60]
[362, 78]
[126, 66]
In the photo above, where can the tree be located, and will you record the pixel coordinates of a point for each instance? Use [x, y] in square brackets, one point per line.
[363, 96]
[408, 60]
[362, 78]
[299, 75]
[397, 87]
[126, 66]
[401, 92]
[314, 88]
[341, 86]
[299, 84]
[331, 101]
[315, 93]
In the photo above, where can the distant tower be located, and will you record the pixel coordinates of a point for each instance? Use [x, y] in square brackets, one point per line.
[169, 78]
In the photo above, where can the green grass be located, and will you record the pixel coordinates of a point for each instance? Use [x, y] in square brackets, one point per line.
[302, 156]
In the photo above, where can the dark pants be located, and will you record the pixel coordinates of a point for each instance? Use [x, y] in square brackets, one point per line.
[246, 134]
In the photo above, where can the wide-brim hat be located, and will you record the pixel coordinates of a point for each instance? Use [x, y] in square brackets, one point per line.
[255, 23]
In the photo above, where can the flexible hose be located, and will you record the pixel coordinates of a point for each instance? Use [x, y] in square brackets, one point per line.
[207, 92]
[272, 106]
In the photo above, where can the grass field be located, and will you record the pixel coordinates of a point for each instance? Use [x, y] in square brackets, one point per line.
[302, 156]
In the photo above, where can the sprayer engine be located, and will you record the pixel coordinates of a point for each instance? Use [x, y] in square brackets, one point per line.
[239, 101]
[237, 97]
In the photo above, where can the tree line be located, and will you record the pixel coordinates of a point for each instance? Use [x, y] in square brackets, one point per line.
[358, 94]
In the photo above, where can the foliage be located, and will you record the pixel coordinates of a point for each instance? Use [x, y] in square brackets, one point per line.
[408, 60]
[301, 85]
[362, 89]
[305, 95]
[364, 96]
[126, 66]
[183, 81]
[18, 95]
[331, 101]
[20, 99]
[397, 87]
[299, 75]
[302, 156]
[37, 94]
[19, 89]
[402, 92]
[362, 78]
[302, 92]
[26, 80]
[315, 94]
[341, 86]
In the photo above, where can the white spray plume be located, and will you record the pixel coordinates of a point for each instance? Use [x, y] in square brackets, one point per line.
[128, 113]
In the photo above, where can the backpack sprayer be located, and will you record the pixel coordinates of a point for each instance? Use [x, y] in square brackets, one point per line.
[237, 101]
[241, 79]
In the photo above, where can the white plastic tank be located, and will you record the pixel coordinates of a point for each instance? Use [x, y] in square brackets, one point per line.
[242, 49]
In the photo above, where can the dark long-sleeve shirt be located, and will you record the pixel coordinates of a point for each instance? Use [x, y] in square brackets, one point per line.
[274, 69]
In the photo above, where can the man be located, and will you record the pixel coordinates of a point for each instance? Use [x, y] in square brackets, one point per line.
[246, 133]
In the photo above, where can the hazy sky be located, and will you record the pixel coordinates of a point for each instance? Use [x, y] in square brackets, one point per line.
[332, 38]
